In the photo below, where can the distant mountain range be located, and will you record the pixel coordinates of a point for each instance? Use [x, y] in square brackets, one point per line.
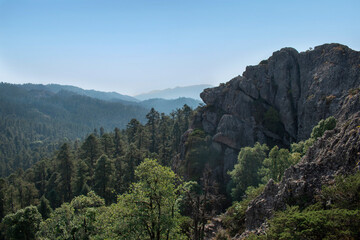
[35, 116]
[174, 93]
[55, 88]
[156, 102]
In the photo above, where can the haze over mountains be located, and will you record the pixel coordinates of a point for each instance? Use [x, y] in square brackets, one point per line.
[36, 116]
[173, 101]
[177, 92]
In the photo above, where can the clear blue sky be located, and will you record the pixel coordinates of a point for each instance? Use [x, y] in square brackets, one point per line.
[136, 46]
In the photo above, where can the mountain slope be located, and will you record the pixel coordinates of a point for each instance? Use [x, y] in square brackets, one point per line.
[276, 102]
[55, 88]
[160, 104]
[33, 122]
[174, 93]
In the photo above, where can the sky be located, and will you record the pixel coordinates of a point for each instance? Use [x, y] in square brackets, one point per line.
[135, 46]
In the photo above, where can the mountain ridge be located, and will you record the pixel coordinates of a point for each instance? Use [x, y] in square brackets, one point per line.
[192, 91]
[107, 96]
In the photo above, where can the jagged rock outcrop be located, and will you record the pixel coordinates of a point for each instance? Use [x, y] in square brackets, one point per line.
[337, 152]
[278, 101]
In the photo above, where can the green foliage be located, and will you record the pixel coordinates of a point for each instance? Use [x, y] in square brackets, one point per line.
[75, 220]
[317, 132]
[322, 126]
[344, 193]
[277, 162]
[149, 210]
[198, 154]
[335, 216]
[245, 172]
[23, 224]
[66, 169]
[44, 208]
[103, 178]
[322, 224]
[199, 202]
[234, 218]
[34, 121]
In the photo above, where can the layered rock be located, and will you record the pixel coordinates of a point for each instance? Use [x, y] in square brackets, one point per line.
[278, 101]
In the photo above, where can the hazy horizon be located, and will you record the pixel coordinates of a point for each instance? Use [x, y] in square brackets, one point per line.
[134, 47]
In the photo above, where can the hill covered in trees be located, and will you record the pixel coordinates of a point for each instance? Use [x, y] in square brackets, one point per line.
[35, 118]
[33, 122]
[274, 154]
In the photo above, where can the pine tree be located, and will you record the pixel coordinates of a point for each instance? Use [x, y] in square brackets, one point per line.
[66, 168]
[152, 123]
[44, 208]
[104, 172]
[91, 151]
[118, 144]
[81, 178]
[119, 155]
[108, 144]
[131, 129]
[132, 159]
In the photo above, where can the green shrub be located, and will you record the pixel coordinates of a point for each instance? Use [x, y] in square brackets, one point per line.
[322, 126]
[322, 224]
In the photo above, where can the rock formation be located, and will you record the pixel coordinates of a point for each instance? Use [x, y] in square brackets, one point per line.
[277, 102]
[337, 152]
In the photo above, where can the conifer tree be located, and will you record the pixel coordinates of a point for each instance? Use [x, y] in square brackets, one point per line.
[66, 168]
[44, 208]
[81, 178]
[152, 123]
[91, 151]
[104, 172]
[107, 144]
[131, 129]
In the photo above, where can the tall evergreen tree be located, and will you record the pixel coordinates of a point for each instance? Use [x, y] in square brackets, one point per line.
[81, 178]
[66, 168]
[118, 144]
[108, 144]
[44, 208]
[104, 172]
[91, 151]
[131, 129]
[153, 120]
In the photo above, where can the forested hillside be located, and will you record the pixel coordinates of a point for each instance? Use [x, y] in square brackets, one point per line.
[35, 119]
[34, 122]
[104, 163]
[273, 154]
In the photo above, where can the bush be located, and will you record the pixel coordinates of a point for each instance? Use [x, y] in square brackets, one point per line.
[322, 224]
[322, 126]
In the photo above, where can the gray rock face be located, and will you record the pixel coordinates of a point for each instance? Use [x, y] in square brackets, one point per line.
[337, 152]
[280, 100]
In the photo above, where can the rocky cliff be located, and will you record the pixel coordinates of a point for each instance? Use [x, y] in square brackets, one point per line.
[336, 153]
[277, 102]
